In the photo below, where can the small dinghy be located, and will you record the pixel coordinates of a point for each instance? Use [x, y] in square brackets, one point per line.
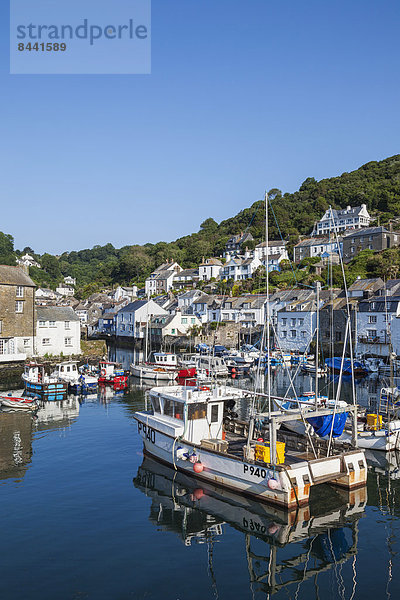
[19, 402]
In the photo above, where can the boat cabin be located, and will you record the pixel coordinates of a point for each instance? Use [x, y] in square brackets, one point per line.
[67, 369]
[34, 372]
[109, 369]
[164, 359]
[195, 413]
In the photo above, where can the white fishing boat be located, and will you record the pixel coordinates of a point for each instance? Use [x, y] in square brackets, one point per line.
[152, 372]
[69, 373]
[215, 366]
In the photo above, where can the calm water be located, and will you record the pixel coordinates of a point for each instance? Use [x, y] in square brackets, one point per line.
[84, 516]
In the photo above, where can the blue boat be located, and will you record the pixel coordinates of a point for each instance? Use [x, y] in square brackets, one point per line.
[334, 365]
[37, 383]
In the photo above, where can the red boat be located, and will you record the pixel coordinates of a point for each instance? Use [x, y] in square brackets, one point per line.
[20, 402]
[111, 373]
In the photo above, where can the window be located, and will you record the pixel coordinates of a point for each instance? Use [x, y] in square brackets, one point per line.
[66, 325]
[20, 291]
[42, 323]
[172, 331]
[184, 320]
[26, 343]
[122, 327]
[197, 411]
[293, 333]
[338, 336]
[293, 322]
[46, 341]
[371, 333]
[284, 321]
[19, 306]
[284, 334]
[214, 413]
[155, 404]
[303, 334]
[52, 323]
[301, 322]
[68, 341]
[130, 327]
[372, 319]
[193, 321]
[372, 305]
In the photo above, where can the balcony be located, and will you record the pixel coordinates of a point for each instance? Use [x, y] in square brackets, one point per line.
[378, 339]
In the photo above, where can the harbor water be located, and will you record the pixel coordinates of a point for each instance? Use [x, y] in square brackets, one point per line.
[86, 516]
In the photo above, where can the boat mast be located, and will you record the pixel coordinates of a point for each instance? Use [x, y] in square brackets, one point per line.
[272, 432]
[317, 286]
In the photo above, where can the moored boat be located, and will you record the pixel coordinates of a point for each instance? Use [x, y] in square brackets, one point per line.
[19, 402]
[38, 383]
[77, 382]
[112, 373]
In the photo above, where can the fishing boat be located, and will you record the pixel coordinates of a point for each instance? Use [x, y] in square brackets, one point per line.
[152, 373]
[38, 383]
[69, 373]
[19, 402]
[164, 366]
[112, 373]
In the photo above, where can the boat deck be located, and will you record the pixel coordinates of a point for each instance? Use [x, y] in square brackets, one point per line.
[292, 457]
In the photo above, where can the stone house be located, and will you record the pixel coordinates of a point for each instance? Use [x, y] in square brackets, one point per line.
[372, 238]
[17, 317]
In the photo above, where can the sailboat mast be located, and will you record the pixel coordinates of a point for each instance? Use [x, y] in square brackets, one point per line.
[272, 432]
[317, 343]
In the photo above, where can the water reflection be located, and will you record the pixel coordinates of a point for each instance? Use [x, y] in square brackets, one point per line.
[15, 443]
[281, 549]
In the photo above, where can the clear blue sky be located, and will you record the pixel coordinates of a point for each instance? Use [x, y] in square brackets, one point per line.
[243, 96]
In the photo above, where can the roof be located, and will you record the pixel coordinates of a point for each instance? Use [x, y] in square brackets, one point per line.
[348, 211]
[367, 231]
[133, 306]
[365, 284]
[14, 276]
[272, 244]
[315, 241]
[56, 313]
[211, 261]
[187, 273]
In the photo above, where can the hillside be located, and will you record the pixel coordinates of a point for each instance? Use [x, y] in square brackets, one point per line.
[376, 184]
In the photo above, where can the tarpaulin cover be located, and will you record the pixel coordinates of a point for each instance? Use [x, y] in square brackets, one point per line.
[323, 425]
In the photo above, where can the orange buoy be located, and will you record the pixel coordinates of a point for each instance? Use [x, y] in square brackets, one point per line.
[198, 467]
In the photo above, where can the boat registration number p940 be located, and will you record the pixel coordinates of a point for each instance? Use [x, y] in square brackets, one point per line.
[256, 471]
[148, 432]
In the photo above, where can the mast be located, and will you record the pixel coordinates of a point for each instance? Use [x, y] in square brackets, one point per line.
[317, 285]
[272, 431]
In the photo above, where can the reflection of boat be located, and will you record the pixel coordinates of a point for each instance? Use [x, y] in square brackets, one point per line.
[310, 368]
[200, 512]
[61, 411]
[18, 402]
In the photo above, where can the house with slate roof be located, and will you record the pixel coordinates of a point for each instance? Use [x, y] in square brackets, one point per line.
[58, 331]
[372, 238]
[337, 221]
[316, 247]
[161, 280]
[131, 321]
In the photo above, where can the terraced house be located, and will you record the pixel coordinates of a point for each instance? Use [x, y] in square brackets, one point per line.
[17, 317]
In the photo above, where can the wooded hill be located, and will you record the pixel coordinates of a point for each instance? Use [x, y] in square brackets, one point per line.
[376, 184]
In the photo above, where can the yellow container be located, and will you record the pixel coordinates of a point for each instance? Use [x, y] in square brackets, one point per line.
[374, 421]
[262, 452]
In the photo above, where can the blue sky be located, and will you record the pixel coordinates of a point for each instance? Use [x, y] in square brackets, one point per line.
[243, 96]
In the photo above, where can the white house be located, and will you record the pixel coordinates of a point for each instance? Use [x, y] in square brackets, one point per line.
[340, 220]
[58, 331]
[210, 268]
[274, 248]
[240, 267]
[173, 325]
[28, 261]
[248, 311]
[374, 318]
[295, 326]
[131, 321]
[121, 293]
[65, 290]
[186, 299]
[68, 280]
[45, 294]
[161, 280]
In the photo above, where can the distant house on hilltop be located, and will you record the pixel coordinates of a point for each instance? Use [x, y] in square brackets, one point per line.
[237, 242]
[340, 220]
